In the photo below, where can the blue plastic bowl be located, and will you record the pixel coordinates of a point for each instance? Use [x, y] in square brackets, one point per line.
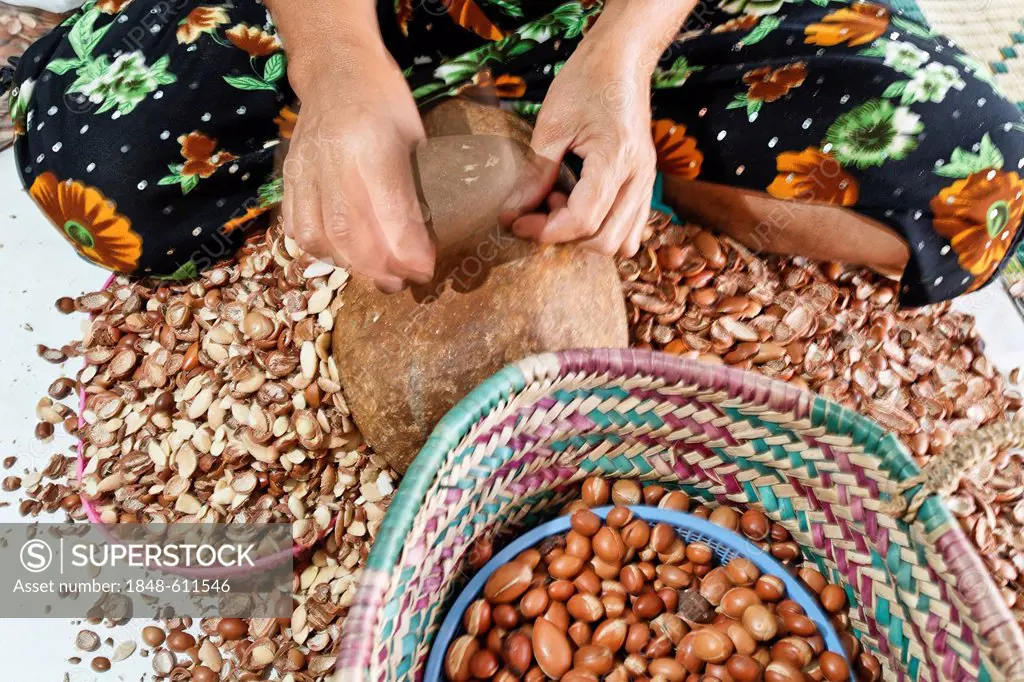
[726, 545]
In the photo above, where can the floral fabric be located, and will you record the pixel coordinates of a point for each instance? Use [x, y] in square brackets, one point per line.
[147, 132]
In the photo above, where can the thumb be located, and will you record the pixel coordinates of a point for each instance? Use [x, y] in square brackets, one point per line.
[537, 177]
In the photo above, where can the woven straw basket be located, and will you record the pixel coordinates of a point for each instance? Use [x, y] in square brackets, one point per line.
[512, 452]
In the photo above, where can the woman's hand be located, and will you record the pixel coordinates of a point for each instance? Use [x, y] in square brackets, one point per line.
[349, 194]
[599, 108]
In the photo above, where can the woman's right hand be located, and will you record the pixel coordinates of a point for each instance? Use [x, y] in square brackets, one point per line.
[349, 194]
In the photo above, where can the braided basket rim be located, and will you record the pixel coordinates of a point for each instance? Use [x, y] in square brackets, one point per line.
[990, 618]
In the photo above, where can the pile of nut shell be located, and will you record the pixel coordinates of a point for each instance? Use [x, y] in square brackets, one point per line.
[621, 599]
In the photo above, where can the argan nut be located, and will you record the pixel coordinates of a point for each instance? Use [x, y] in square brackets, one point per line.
[566, 567]
[813, 579]
[594, 658]
[637, 637]
[648, 605]
[508, 583]
[653, 494]
[575, 675]
[580, 633]
[180, 641]
[685, 655]
[868, 668]
[204, 674]
[614, 605]
[618, 517]
[795, 624]
[676, 500]
[585, 522]
[726, 517]
[669, 597]
[712, 646]
[587, 582]
[626, 492]
[578, 545]
[152, 636]
[505, 616]
[460, 655]
[770, 588]
[518, 653]
[558, 615]
[596, 491]
[561, 590]
[699, 553]
[611, 634]
[793, 650]
[735, 601]
[586, 607]
[755, 525]
[608, 546]
[667, 668]
[636, 534]
[484, 664]
[785, 551]
[551, 649]
[662, 537]
[834, 667]
[743, 668]
[833, 598]
[714, 585]
[477, 619]
[742, 572]
[100, 664]
[673, 576]
[632, 579]
[760, 623]
[779, 671]
[741, 639]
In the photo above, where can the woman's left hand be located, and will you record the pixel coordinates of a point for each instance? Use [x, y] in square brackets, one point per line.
[599, 108]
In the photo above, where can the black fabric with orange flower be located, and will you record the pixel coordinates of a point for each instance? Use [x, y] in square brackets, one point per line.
[148, 136]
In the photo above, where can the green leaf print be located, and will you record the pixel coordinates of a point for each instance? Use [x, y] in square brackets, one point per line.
[820, 3]
[62, 66]
[963, 163]
[82, 36]
[249, 83]
[895, 89]
[275, 67]
[761, 31]
[510, 7]
[675, 75]
[912, 27]
[123, 84]
[874, 134]
[187, 270]
[272, 192]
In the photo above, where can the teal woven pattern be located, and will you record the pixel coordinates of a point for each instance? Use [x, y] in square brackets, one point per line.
[513, 453]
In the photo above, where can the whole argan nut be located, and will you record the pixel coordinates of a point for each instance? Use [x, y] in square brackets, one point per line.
[770, 588]
[594, 658]
[662, 537]
[735, 601]
[636, 534]
[180, 641]
[587, 582]
[627, 493]
[742, 572]
[726, 517]
[575, 675]
[508, 583]
[608, 546]
[505, 616]
[637, 637]
[699, 553]
[477, 619]
[712, 646]
[551, 649]
[648, 605]
[484, 664]
[759, 622]
[458, 658]
[618, 517]
[714, 585]
[667, 668]
[744, 668]
[153, 636]
[561, 590]
[596, 491]
[741, 639]
[580, 633]
[558, 615]
[676, 500]
[779, 671]
[611, 634]
[834, 667]
[585, 522]
[685, 655]
[793, 650]
[813, 579]
[833, 598]
[801, 626]
[586, 607]
[533, 603]
[566, 567]
[518, 652]
[755, 525]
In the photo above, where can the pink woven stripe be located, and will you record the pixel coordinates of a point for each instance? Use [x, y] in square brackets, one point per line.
[355, 646]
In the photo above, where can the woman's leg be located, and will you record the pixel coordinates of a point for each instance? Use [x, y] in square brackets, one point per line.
[147, 130]
[827, 131]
